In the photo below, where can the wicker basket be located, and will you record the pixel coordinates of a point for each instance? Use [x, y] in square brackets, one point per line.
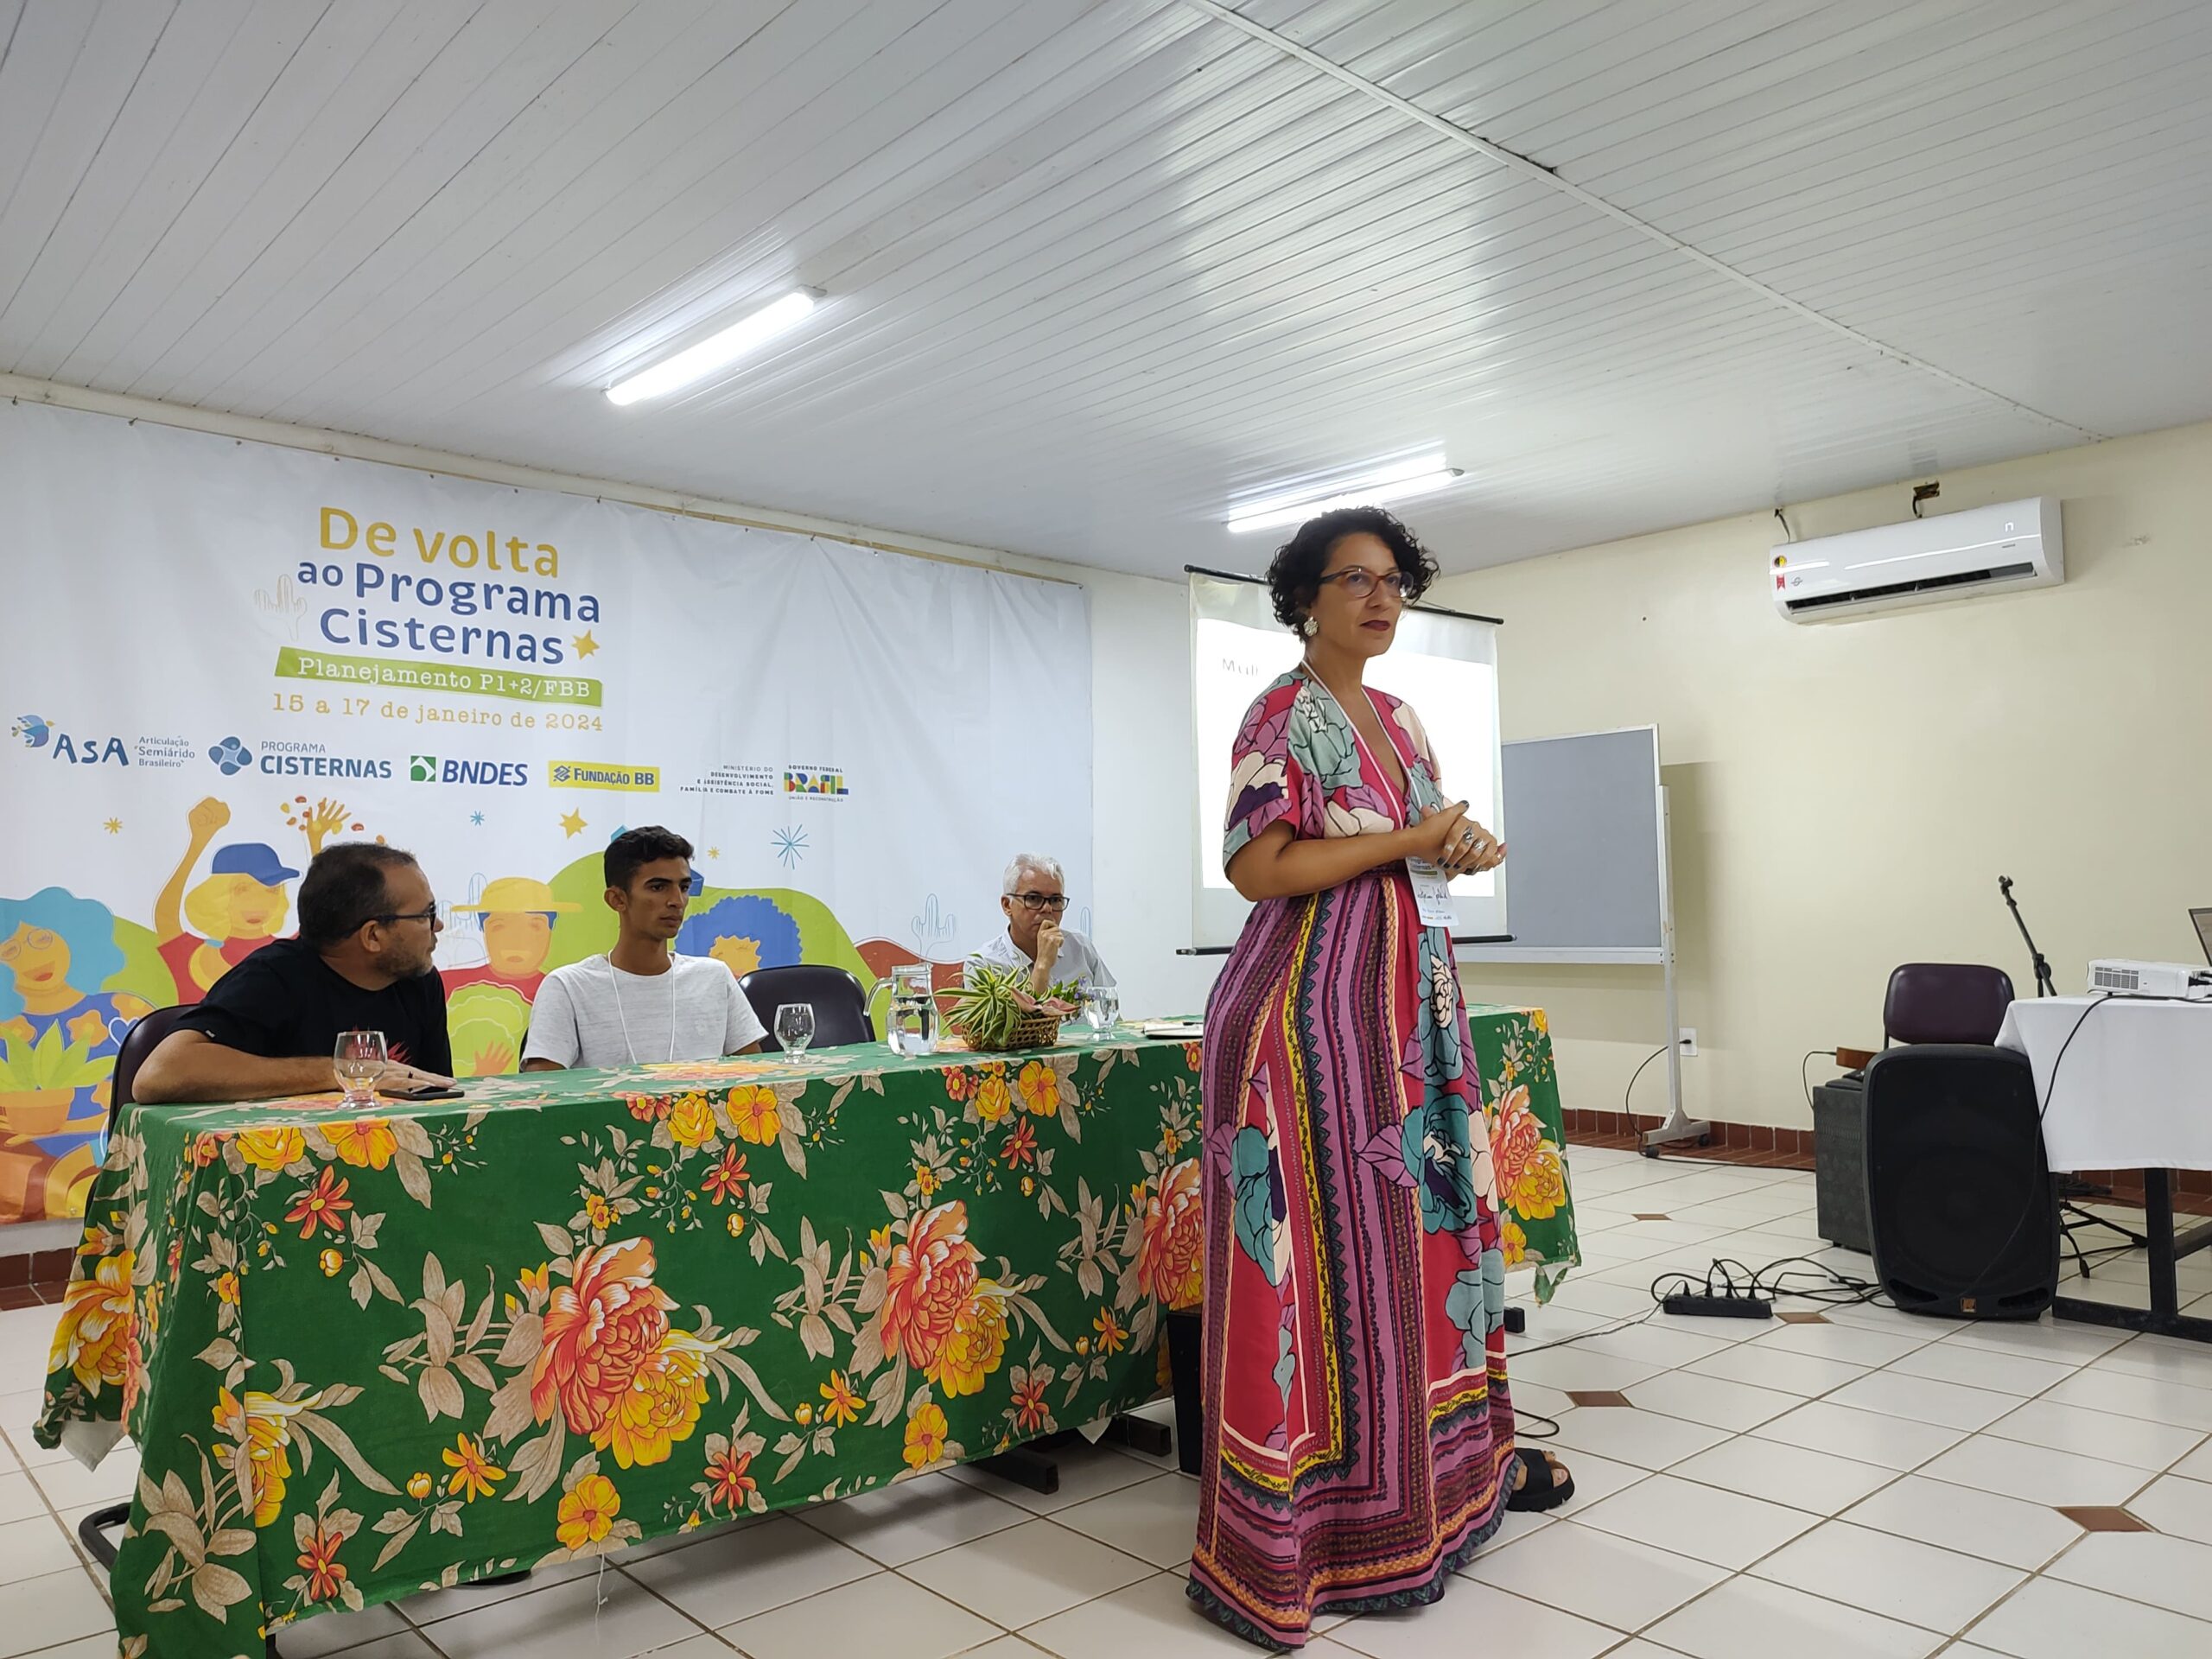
[1038, 1030]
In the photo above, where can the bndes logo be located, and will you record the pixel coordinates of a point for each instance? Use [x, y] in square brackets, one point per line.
[490, 774]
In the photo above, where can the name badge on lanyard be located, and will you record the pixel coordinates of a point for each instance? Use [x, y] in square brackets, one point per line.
[1432, 893]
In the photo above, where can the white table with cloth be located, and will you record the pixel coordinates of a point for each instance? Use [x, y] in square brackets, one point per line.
[2126, 1083]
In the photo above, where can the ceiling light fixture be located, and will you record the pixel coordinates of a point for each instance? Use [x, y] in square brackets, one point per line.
[1417, 476]
[716, 351]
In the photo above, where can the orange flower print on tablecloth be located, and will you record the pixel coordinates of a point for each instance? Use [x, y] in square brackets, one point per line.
[1040, 1089]
[843, 1404]
[1112, 1337]
[925, 1434]
[754, 1110]
[366, 1142]
[725, 1182]
[661, 1405]
[93, 1340]
[929, 1278]
[959, 1082]
[729, 1478]
[1174, 1236]
[976, 1346]
[474, 1474]
[587, 1511]
[318, 1558]
[260, 1430]
[599, 1212]
[1530, 1174]
[1033, 1415]
[994, 1097]
[323, 1204]
[599, 1328]
[648, 1109]
[273, 1149]
[691, 1125]
[134, 1369]
[1194, 1056]
[1020, 1147]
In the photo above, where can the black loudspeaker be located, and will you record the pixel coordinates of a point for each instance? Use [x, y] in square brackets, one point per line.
[1959, 1202]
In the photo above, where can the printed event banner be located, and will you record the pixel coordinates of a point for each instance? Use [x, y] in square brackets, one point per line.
[221, 656]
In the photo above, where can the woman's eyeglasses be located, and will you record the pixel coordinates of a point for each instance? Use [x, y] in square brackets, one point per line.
[1358, 583]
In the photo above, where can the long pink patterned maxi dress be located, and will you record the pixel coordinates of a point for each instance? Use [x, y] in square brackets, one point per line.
[1359, 1437]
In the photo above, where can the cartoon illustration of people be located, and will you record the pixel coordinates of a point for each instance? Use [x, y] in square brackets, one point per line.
[488, 1007]
[518, 915]
[58, 1043]
[744, 932]
[239, 907]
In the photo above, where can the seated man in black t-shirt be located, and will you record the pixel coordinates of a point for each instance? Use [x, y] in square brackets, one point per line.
[368, 925]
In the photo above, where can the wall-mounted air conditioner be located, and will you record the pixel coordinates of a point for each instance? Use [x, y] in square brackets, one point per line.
[1921, 562]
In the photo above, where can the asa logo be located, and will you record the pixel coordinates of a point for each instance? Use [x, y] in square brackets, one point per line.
[80, 749]
[502, 774]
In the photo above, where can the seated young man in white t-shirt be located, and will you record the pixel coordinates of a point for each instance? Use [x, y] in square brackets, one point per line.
[640, 1004]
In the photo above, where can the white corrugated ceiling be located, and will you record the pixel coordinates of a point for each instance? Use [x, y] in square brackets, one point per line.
[1094, 272]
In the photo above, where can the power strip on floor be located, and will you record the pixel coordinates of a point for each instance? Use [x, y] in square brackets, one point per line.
[1705, 1305]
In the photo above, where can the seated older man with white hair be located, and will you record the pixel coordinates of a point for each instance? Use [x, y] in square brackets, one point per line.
[1034, 896]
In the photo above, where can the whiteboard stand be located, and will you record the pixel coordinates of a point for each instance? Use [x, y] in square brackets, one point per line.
[1679, 1126]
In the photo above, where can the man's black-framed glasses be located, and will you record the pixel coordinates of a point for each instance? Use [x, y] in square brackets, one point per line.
[1052, 901]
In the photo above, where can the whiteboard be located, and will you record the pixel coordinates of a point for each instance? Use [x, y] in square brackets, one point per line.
[1585, 848]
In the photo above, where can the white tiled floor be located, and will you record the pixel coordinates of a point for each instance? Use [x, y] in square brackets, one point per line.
[1872, 1485]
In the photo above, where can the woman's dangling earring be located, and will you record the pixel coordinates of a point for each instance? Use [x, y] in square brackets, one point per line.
[1309, 628]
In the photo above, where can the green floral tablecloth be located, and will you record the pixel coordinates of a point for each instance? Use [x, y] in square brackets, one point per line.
[363, 1356]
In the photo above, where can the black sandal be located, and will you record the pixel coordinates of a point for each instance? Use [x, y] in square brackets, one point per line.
[1548, 1484]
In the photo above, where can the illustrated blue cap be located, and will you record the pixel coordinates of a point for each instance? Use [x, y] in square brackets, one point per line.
[255, 859]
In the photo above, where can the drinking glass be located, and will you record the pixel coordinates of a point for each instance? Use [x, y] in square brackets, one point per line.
[359, 1060]
[795, 1027]
[1101, 1008]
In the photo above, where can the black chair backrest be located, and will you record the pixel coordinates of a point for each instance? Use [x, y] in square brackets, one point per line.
[1945, 1002]
[840, 1002]
[142, 1040]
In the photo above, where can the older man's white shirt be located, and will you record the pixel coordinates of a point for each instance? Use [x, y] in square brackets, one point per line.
[1078, 962]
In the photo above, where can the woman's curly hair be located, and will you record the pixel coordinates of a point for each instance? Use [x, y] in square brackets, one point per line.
[1294, 577]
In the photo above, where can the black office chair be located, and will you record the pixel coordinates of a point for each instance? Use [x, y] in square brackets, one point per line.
[142, 1040]
[839, 1001]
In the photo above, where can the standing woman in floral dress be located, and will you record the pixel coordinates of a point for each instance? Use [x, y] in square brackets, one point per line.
[1359, 1439]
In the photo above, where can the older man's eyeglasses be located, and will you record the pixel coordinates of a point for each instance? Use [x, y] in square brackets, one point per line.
[429, 916]
[1055, 902]
[1358, 583]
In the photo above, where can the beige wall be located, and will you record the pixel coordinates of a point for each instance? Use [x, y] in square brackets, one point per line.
[1845, 794]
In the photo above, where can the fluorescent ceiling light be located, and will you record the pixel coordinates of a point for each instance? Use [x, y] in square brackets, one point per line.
[716, 351]
[1417, 476]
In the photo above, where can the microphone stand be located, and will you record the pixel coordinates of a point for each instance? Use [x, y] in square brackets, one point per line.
[2071, 1188]
[2045, 985]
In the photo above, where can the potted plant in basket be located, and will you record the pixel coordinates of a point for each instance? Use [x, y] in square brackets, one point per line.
[996, 1012]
